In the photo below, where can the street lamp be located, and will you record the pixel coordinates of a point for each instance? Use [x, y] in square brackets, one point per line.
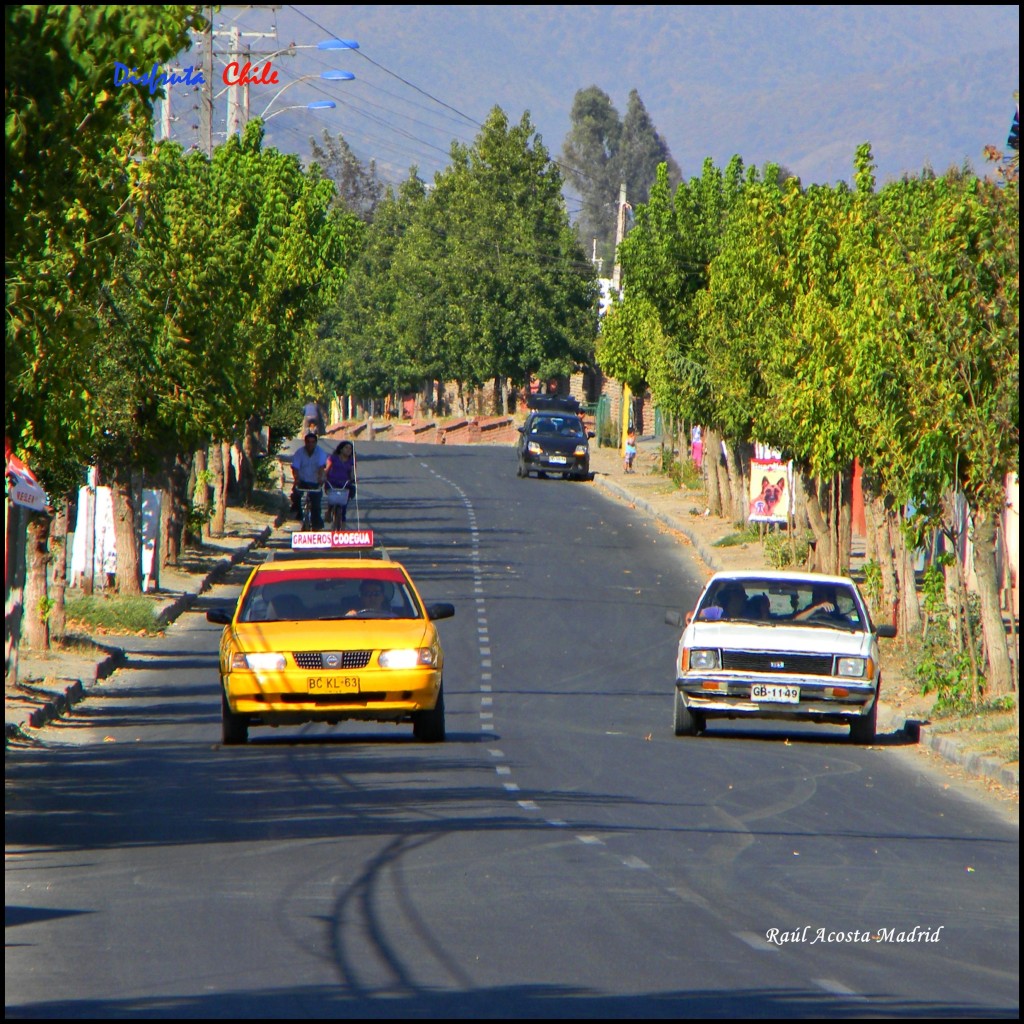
[327, 76]
[315, 105]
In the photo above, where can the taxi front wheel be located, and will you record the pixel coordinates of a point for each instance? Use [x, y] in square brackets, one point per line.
[428, 726]
[234, 728]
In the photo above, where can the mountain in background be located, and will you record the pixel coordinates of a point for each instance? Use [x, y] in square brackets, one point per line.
[800, 86]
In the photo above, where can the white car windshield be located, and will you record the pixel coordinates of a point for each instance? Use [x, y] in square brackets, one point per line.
[789, 602]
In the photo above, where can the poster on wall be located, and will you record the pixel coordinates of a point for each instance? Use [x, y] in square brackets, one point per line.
[770, 491]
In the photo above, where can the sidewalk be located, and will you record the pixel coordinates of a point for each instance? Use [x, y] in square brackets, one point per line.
[682, 512]
[50, 682]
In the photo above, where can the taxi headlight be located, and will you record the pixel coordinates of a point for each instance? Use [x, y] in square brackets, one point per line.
[414, 657]
[855, 668]
[258, 662]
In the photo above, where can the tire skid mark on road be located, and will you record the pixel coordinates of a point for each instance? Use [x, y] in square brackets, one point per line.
[630, 862]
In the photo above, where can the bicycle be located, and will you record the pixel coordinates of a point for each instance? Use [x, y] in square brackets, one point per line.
[337, 504]
[311, 518]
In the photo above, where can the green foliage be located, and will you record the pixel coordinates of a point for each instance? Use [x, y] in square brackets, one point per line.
[748, 535]
[71, 143]
[945, 664]
[781, 550]
[113, 613]
[603, 151]
[358, 189]
[480, 278]
[872, 584]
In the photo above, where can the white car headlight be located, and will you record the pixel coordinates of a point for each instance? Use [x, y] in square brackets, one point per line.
[415, 657]
[534, 449]
[703, 658]
[581, 449]
[854, 668]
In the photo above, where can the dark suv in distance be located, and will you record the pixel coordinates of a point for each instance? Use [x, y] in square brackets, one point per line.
[554, 442]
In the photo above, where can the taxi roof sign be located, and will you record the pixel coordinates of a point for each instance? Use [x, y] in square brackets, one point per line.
[331, 540]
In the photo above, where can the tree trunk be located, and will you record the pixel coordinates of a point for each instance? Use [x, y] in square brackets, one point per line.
[734, 469]
[175, 509]
[999, 677]
[824, 555]
[14, 589]
[200, 496]
[250, 456]
[58, 586]
[37, 598]
[910, 603]
[129, 578]
[844, 525]
[712, 443]
[220, 489]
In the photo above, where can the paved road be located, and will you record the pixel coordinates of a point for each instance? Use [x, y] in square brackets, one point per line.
[562, 856]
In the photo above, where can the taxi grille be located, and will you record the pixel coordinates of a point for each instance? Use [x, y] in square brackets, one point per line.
[331, 659]
[769, 661]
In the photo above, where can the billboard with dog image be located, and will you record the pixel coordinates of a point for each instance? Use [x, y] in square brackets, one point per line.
[770, 490]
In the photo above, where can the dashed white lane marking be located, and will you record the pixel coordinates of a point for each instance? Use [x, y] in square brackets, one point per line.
[591, 840]
[503, 769]
[837, 988]
[486, 702]
[754, 941]
[558, 823]
[496, 753]
[486, 715]
[528, 805]
[488, 726]
[510, 787]
[636, 863]
[485, 689]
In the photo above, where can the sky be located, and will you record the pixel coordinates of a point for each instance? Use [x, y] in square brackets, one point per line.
[798, 85]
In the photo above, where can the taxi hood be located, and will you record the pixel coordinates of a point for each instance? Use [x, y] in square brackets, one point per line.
[346, 634]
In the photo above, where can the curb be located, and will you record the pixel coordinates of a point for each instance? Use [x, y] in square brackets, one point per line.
[706, 556]
[947, 747]
[54, 702]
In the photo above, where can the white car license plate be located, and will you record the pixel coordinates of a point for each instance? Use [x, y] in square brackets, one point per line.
[558, 460]
[775, 693]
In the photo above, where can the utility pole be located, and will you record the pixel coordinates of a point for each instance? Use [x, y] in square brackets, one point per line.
[620, 233]
[206, 98]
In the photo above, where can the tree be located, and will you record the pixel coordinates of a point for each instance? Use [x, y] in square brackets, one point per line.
[515, 294]
[601, 152]
[481, 278]
[71, 140]
[359, 190]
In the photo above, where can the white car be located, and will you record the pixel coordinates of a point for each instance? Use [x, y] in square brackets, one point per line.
[779, 645]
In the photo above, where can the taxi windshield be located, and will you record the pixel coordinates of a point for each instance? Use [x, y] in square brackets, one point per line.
[309, 595]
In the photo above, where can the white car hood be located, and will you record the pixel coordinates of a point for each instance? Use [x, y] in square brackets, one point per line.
[746, 636]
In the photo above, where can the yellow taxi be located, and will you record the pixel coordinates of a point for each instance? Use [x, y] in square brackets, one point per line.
[324, 639]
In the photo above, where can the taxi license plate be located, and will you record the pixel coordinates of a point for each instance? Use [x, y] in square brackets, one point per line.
[332, 684]
[558, 460]
[775, 693]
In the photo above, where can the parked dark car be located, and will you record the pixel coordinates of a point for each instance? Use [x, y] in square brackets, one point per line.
[553, 403]
[554, 442]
